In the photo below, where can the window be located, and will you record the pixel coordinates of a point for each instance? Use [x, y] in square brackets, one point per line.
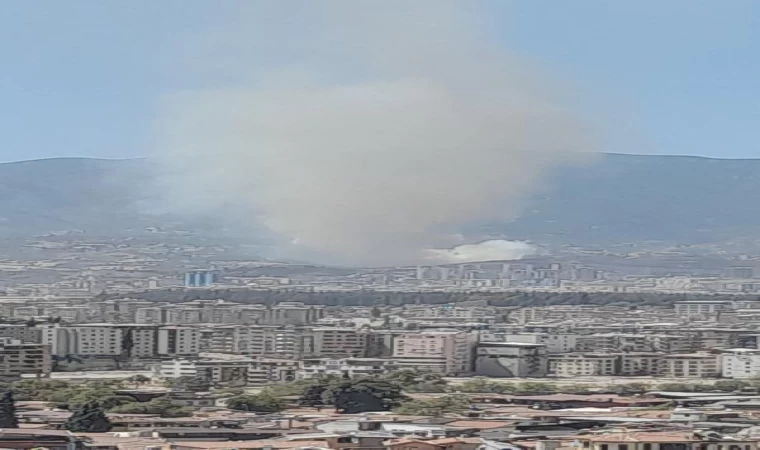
[623, 447]
[647, 446]
[604, 447]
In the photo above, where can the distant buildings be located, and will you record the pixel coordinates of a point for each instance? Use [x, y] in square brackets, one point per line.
[200, 278]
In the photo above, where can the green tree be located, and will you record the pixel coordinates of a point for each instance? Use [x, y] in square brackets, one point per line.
[730, 385]
[8, 417]
[446, 404]
[313, 396]
[263, 402]
[90, 418]
[417, 381]
[138, 380]
[483, 385]
[363, 395]
[376, 313]
[630, 388]
[160, 406]
[194, 384]
[534, 388]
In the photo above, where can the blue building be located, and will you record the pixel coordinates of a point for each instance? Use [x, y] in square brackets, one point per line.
[201, 278]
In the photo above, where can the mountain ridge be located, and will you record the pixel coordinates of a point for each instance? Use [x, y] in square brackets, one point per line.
[677, 199]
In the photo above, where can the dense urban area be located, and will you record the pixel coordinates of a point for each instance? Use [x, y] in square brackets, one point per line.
[138, 344]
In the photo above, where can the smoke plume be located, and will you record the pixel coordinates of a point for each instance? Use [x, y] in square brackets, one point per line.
[491, 250]
[378, 132]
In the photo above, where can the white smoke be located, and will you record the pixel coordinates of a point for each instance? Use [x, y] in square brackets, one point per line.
[393, 125]
[491, 250]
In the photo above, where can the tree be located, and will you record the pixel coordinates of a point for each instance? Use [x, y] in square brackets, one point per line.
[138, 380]
[312, 396]
[264, 402]
[160, 406]
[630, 388]
[483, 385]
[447, 404]
[363, 395]
[194, 384]
[8, 417]
[417, 381]
[376, 313]
[536, 388]
[90, 418]
[730, 385]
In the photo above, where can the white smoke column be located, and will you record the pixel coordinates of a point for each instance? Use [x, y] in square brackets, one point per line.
[421, 129]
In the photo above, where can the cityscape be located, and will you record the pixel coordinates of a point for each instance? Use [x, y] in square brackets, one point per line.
[379, 225]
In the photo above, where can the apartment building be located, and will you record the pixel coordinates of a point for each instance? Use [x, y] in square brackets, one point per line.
[182, 316]
[690, 365]
[119, 311]
[510, 359]
[555, 343]
[150, 315]
[315, 367]
[640, 364]
[176, 368]
[21, 333]
[71, 314]
[85, 340]
[740, 363]
[444, 352]
[584, 364]
[326, 341]
[138, 341]
[229, 372]
[134, 340]
[179, 341]
[272, 370]
[217, 339]
[215, 371]
[292, 313]
[701, 307]
[18, 358]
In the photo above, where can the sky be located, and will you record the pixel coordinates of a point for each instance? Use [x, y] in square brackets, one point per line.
[86, 77]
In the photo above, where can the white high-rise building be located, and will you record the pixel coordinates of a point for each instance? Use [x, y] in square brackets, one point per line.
[740, 363]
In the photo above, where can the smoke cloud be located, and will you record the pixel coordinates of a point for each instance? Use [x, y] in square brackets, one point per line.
[491, 250]
[379, 132]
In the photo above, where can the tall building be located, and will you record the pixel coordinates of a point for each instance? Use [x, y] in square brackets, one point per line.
[324, 341]
[444, 352]
[17, 358]
[291, 313]
[21, 333]
[510, 359]
[178, 341]
[740, 363]
[201, 278]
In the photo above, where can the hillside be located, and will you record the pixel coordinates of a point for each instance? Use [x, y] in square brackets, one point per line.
[622, 198]
[634, 198]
